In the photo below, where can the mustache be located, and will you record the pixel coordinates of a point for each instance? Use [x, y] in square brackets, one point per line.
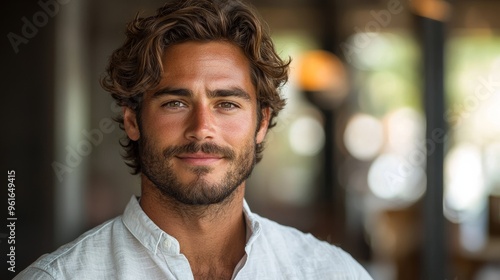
[207, 148]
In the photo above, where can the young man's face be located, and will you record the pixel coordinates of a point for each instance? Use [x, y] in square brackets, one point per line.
[198, 129]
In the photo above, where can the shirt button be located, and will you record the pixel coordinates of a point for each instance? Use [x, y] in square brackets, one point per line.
[167, 243]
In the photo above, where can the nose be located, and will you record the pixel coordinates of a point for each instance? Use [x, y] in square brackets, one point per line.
[200, 124]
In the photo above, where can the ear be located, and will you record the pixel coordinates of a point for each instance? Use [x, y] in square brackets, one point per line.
[130, 124]
[264, 124]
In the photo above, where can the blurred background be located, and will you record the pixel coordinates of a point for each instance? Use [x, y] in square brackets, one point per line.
[389, 146]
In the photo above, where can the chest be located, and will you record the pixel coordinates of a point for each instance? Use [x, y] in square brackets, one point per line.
[212, 271]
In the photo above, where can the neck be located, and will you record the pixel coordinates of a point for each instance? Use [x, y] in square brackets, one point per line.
[208, 235]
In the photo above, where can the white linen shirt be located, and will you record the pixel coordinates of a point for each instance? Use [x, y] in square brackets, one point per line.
[132, 246]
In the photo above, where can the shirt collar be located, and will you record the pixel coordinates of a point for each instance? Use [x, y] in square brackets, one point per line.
[152, 237]
[146, 231]
[253, 226]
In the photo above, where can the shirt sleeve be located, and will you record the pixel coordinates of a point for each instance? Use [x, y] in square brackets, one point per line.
[34, 273]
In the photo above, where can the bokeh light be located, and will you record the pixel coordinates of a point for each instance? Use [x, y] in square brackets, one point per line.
[405, 127]
[306, 136]
[394, 179]
[364, 136]
[464, 182]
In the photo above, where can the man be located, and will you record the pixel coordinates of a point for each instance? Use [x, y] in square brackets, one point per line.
[199, 86]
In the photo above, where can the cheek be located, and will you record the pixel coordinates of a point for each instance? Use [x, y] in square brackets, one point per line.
[239, 131]
[160, 128]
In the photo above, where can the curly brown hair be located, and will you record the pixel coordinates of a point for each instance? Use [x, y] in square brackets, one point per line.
[136, 67]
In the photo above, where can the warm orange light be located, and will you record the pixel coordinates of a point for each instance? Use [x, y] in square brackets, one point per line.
[324, 74]
[433, 9]
[320, 71]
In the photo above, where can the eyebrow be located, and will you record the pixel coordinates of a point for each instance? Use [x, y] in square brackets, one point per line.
[235, 92]
[173, 91]
[232, 92]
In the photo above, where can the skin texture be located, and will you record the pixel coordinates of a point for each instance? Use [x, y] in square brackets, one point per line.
[197, 134]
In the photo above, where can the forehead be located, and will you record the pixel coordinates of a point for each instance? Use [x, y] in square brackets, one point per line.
[208, 64]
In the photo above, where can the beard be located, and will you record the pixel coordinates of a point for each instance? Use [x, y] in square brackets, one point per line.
[157, 166]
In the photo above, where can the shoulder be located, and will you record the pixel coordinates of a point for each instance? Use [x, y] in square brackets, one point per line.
[294, 240]
[308, 254]
[88, 250]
